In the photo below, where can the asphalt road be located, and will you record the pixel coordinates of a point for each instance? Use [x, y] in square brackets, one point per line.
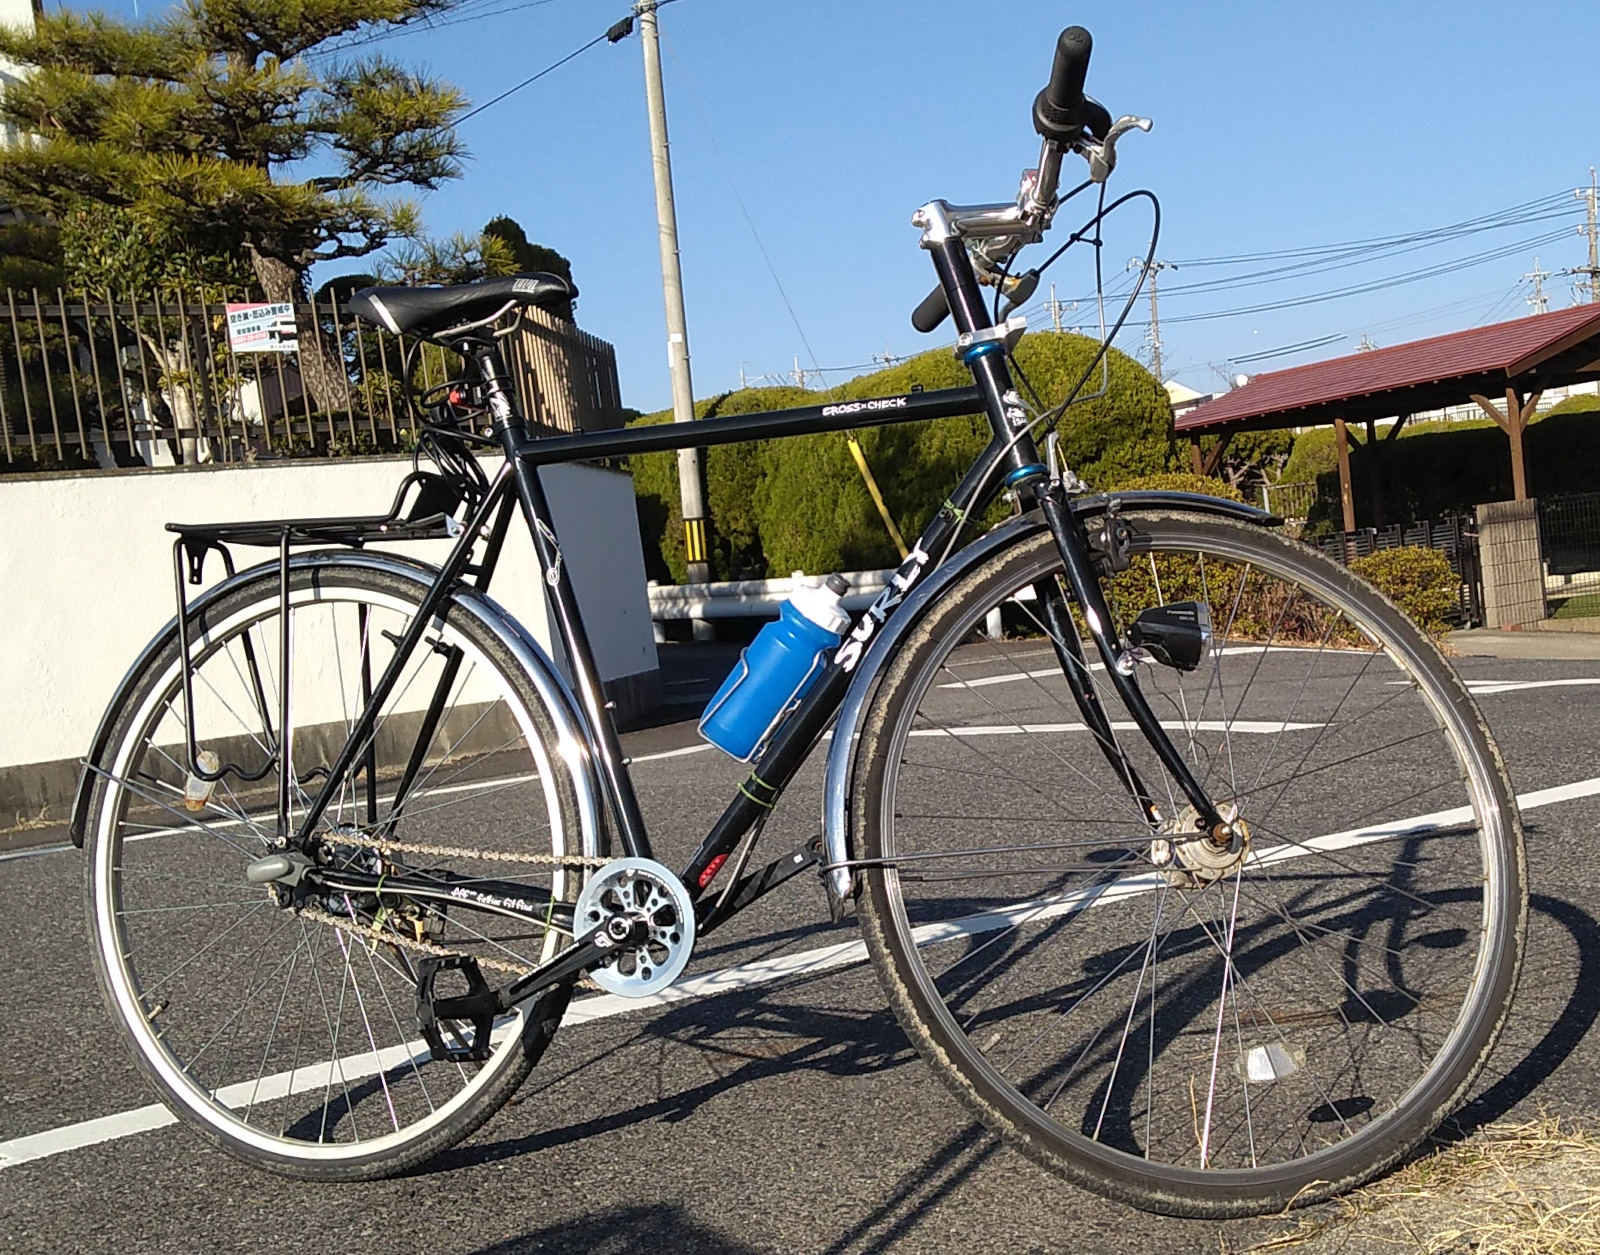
[790, 1116]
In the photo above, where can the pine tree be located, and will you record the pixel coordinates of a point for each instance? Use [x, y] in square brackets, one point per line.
[529, 256]
[194, 132]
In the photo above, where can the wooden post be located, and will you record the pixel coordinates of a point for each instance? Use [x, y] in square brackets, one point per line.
[1375, 472]
[1196, 458]
[1346, 494]
[1513, 422]
[1517, 421]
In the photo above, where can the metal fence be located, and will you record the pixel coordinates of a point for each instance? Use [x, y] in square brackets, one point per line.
[1453, 535]
[1569, 535]
[1291, 502]
[153, 380]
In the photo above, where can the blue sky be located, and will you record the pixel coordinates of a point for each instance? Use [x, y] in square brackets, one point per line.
[1277, 126]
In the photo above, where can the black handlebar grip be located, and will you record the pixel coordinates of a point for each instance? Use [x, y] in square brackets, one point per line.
[1065, 91]
[935, 308]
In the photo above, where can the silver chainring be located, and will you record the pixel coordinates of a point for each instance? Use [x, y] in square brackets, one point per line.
[634, 888]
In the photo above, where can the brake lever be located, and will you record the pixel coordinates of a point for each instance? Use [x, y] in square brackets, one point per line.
[1102, 156]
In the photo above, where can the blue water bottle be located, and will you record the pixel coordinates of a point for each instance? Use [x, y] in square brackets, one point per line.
[774, 673]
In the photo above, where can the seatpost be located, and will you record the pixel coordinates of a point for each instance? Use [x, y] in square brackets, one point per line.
[511, 428]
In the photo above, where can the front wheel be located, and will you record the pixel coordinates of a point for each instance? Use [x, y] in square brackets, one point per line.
[1202, 1038]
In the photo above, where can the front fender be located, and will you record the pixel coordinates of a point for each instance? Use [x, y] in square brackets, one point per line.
[837, 837]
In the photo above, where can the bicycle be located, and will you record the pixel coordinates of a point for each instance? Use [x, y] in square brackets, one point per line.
[1243, 946]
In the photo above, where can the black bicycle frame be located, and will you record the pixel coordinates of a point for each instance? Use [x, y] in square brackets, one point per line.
[1010, 460]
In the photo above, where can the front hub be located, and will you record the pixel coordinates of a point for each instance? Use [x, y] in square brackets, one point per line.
[1191, 857]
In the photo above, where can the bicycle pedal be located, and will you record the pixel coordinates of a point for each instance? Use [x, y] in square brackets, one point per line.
[478, 1006]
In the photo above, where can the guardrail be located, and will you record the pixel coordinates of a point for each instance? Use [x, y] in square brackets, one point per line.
[751, 599]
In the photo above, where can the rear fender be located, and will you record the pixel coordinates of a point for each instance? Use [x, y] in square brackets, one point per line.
[837, 837]
[572, 732]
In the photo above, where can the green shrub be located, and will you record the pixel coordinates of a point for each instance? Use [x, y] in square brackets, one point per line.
[1583, 404]
[1419, 581]
[1180, 481]
[800, 503]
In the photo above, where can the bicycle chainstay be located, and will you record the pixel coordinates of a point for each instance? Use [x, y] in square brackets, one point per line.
[373, 933]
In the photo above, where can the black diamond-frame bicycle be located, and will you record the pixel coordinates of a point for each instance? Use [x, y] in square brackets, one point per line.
[1183, 856]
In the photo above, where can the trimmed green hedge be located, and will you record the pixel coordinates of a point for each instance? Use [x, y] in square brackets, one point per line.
[1420, 581]
[1441, 468]
[1181, 481]
[800, 503]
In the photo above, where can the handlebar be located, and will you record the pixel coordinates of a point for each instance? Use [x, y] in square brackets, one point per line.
[1066, 119]
[935, 308]
[1073, 46]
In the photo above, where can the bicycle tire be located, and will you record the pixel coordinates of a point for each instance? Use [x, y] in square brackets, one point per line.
[324, 1075]
[1385, 905]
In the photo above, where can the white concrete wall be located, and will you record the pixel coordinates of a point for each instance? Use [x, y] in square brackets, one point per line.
[17, 14]
[86, 573]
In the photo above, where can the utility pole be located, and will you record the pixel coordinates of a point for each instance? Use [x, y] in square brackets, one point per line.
[1055, 307]
[1539, 301]
[1592, 230]
[691, 478]
[1154, 338]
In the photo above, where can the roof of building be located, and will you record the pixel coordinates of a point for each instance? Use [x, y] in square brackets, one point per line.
[1540, 351]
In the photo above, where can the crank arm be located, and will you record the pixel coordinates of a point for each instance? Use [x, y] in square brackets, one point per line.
[1073, 545]
[594, 949]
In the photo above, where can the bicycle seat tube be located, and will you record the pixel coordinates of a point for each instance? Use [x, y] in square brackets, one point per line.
[512, 431]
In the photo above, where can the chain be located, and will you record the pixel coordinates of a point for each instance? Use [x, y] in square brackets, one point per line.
[387, 846]
[377, 935]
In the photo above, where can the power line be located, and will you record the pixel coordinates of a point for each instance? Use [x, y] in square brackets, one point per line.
[469, 11]
[1513, 212]
[531, 79]
[1287, 349]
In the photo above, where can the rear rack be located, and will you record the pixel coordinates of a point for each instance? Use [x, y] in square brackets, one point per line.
[429, 515]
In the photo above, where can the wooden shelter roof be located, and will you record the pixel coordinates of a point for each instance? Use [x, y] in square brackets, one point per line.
[1531, 354]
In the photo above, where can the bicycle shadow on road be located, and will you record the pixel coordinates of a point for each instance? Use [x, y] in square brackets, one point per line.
[623, 1231]
[1522, 1079]
[745, 1039]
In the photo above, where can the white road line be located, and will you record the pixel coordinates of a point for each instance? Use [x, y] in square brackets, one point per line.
[36, 851]
[1172, 725]
[760, 972]
[1516, 686]
[1046, 673]
[1478, 687]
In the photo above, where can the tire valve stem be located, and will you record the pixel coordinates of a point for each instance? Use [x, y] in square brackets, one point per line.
[197, 792]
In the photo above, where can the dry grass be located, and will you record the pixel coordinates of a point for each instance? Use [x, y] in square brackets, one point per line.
[25, 823]
[1514, 1189]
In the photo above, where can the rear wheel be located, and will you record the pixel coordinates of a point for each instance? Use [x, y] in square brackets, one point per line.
[1269, 1029]
[284, 1025]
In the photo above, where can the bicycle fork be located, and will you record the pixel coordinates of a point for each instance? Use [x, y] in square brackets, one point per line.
[1072, 543]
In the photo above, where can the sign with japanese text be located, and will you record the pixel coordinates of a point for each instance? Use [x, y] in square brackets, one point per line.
[262, 328]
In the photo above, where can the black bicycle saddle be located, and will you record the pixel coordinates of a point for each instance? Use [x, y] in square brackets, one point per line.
[428, 311]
